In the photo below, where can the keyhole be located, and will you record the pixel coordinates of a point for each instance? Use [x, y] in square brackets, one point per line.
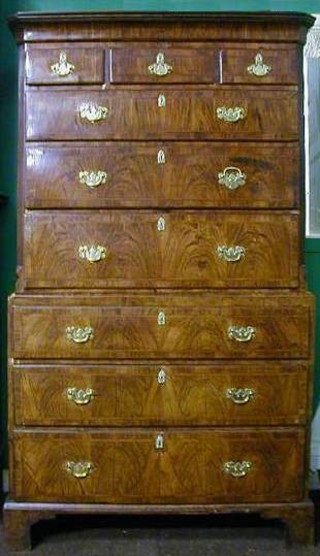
[162, 376]
[161, 157]
[161, 100]
[161, 224]
[161, 318]
[159, 442]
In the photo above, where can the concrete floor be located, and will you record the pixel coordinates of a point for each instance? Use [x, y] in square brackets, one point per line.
[184, 536]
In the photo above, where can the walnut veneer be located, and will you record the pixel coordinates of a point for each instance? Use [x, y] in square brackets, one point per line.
[161, 335]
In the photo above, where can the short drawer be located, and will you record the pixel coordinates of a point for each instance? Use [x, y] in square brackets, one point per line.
[165, 466]
[260, 64]
[60, 64]
[177, 174]
[164, 63]
[160, 393]
[106, 249]
[241, 326]
[152, 113]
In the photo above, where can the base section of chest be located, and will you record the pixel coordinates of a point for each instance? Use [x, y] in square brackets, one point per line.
[298, 518]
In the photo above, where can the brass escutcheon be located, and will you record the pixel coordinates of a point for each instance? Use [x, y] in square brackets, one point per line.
[159, 441]
[161, 224]
[162, 101]
[161, 318]
[161, 157]
[161, 376]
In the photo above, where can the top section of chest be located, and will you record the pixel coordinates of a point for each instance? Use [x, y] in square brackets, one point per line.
[169, 48]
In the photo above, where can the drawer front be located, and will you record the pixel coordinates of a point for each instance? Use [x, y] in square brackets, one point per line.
[157, 393]
[87, 249]
[154, 113]
[164, 63]
[165, 174]
[260, 64]
[173, 466]
[190, 326]
[64, 64]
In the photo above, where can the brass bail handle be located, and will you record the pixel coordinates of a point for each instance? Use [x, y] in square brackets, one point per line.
[79, 469]
[160, 66]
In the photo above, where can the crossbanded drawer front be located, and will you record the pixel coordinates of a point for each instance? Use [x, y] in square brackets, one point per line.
[173, 466]
[164, 63]
[197, 63]
[157, 393]
[86, 249]
[165, 173]
[186, 326]
[152, 113]
[259, 64]
[61, 64]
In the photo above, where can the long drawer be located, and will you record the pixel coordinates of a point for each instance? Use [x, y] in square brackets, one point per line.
[160, 393]
[103, 249]
[151, 113]
[150, 466]
[154, 174]
[202, 325]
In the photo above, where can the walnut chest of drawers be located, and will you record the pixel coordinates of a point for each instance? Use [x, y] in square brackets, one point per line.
[161, 332]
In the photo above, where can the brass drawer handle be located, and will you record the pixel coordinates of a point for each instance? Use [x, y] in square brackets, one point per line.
[241, 333]
[159, 441]
[240, 395]
[78, 334]
[34, 157]
[237, 468]
[258, 68]
[62, 68]
[93, 179]
[79, 469]
[80, 396]
[231, 254]
[160, 67]
[232, 177]
[93, 112]
[92, 253]
[230, 115]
